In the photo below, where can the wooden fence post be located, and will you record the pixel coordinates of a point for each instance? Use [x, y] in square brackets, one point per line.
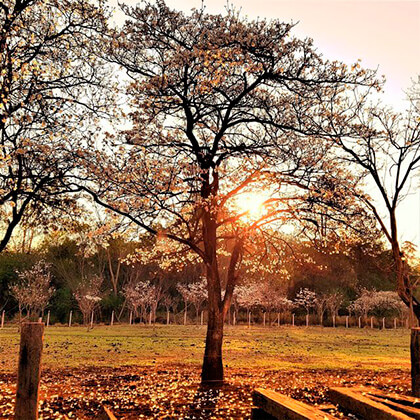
[383, 323]
[48, 319]
[360, 322]
[112, 318]
[29, 370]
[347, 321]
[70, 316]
[264, 319]
[2, 319]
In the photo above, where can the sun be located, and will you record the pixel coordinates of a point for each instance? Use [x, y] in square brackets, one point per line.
[251, 203]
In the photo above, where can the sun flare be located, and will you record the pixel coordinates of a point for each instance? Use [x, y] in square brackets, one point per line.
[251, 203]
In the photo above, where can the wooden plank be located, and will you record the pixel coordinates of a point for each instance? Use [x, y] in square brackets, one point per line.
[105, 414]
[29, 371]
[410, 411]
[362, 405]
[285, 408]
[260, 414]
[401, 399]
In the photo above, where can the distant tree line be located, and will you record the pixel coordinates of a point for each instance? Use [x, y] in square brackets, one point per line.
[66, 273]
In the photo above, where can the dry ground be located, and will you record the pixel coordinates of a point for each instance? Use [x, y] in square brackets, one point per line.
[153, 372]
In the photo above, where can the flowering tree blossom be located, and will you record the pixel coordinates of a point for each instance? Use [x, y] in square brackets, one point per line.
[194, 293]
[33, 290]
[139, 297]
[247, 296]
[88, 295]
[306, 299]
[333, 302]
[51, 90]
[379, 303]
[321, 304]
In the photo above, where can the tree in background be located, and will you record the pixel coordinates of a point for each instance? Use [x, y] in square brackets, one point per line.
[138, 297]
[51, 88]
[333, 302]
[88, 296]
[378, 303]
[306, 299]
[321, 305]
[33, 290]
[385, 147]
[194, 293]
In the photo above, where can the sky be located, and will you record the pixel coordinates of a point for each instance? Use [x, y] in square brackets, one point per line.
[384, 34]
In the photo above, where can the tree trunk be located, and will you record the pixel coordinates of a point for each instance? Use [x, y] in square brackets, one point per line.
[415, 361]
[212, 372]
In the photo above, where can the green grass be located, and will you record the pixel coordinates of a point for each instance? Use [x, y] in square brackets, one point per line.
[267, 348]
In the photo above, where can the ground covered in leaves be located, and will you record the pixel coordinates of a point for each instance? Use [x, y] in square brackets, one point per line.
[136, 371]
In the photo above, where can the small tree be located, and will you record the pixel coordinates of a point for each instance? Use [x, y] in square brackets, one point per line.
[306, 299]
[33, 291]
[167, 301]
[198, 294]
[138, 296]
[321, 304]
[334, 301]
[88, 296]
[194, 293]
[364, 304]
[248, 297]
[155, 295]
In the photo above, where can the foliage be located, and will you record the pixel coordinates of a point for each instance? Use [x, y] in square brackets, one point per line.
[33, 290]
[51, 88]
[88, 295]
[195, 293]
[306, 299]
[142, 295]
[382, 303]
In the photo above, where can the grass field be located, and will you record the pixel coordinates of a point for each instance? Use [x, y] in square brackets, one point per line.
[134, 363]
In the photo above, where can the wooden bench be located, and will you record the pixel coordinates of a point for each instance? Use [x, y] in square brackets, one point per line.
[273, 405]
